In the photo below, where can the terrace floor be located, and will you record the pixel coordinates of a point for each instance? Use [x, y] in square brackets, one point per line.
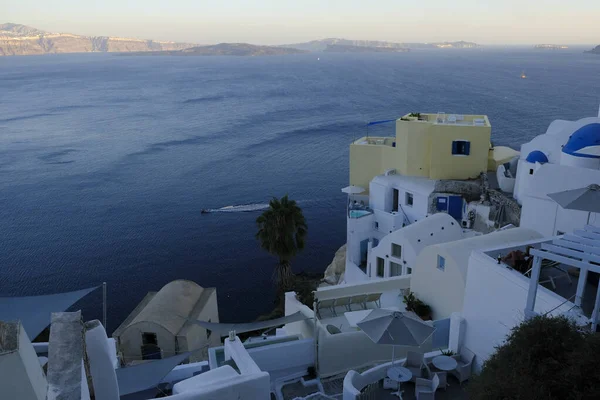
[334, 389]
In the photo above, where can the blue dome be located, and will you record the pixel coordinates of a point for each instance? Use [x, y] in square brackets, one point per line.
[537, 156]
[586, 136]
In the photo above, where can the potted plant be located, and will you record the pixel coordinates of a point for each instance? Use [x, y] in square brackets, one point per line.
[414, 116]
[423, 310]
[410, 301]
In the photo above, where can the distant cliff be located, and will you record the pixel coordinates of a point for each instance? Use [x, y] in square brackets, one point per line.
[338, 48]
[595, 50]
[16, 39]
[322, 45]
[222, 49]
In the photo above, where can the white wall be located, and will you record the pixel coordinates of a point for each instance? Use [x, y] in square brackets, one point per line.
[241, 387]
[21, 376]
[354, 274]
[494, 302]
[358, 229]
[306, 328]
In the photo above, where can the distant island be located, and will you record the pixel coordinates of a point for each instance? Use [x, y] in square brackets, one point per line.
[322, 45]
[339, 48]
[595, 50]
[221, 49]
[17, 39]
[550, 47]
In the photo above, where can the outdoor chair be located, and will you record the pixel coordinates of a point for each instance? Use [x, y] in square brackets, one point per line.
[465, 364]
[326, 304]
[358, 299]
[415, 363]
[548, 265]
[372, 298]
[442, 375]
[370, 392]
[425, 388]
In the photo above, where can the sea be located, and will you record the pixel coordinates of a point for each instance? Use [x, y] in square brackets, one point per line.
[106, 161]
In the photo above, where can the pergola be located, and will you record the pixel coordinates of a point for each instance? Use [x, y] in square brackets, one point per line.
[581, 249]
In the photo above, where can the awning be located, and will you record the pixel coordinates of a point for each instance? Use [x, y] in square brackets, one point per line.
[224, 329]
[34, 312]
[147, 375]
[352, 189]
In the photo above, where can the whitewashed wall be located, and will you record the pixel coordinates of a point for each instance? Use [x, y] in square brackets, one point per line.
[494, 303]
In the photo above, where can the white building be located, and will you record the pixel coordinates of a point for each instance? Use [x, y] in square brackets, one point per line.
[158, 328]
[396, 253]
[440, 276]
[496, 297]
[566, 157]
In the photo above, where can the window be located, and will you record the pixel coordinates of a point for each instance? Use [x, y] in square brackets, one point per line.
[149, 338]
[409, 199]
[441, 264]
[408, 270]
[208, 332]
[376, 225]
[380, 267]
[530, 171]
[396, 250]
[395, 269]
[461, 148]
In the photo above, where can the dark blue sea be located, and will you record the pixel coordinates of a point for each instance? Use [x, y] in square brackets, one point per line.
[106, 161]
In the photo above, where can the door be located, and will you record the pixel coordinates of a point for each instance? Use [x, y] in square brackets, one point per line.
[455, 207]
[395, 200]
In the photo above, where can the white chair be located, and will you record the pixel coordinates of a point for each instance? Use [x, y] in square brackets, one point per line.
[415, 363]
[425, 388]
[465, 364]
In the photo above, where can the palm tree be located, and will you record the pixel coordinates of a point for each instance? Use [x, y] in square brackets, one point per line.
[282, 231]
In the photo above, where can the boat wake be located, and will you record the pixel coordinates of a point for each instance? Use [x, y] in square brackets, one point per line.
[239, 208]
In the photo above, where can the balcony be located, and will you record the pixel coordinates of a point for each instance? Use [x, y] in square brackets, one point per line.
[376, 141]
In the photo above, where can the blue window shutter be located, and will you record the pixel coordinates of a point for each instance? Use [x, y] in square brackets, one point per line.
[467, 148]
[455, 147]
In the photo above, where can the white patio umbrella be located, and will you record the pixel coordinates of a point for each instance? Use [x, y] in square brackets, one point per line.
[583, 199]
[352, 189]
[395, 328]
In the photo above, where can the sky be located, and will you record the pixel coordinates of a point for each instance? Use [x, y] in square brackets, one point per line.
[286, 21]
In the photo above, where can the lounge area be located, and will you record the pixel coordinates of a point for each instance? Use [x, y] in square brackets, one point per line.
[418, 376]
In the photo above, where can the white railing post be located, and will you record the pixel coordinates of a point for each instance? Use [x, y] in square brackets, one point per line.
[533, 285]
[581, 286]
[596, 311]
[104, 305]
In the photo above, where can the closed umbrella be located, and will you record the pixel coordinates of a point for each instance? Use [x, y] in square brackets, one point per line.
[583, 199]
[352, 189]
[395, 328]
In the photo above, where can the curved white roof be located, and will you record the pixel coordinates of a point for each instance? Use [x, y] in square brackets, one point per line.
[436, 228]
[175, 300]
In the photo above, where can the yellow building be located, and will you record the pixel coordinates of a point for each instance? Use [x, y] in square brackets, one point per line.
[434, 146]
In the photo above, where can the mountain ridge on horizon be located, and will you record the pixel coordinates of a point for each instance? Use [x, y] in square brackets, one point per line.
[19, 39]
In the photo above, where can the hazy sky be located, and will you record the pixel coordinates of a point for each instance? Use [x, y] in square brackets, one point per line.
[284, 21]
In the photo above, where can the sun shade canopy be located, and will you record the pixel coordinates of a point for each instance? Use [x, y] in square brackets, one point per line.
[224, 329]
[35, 312]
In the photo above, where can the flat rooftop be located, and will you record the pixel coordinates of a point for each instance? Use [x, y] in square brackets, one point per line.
[442, 118]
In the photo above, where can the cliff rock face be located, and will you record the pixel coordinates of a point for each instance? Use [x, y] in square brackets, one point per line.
[18, 39]
[335, 271]
[221, 49]
[595, 50]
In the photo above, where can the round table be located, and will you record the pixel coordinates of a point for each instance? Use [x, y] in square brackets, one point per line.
[399, 374]
[444, 363]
